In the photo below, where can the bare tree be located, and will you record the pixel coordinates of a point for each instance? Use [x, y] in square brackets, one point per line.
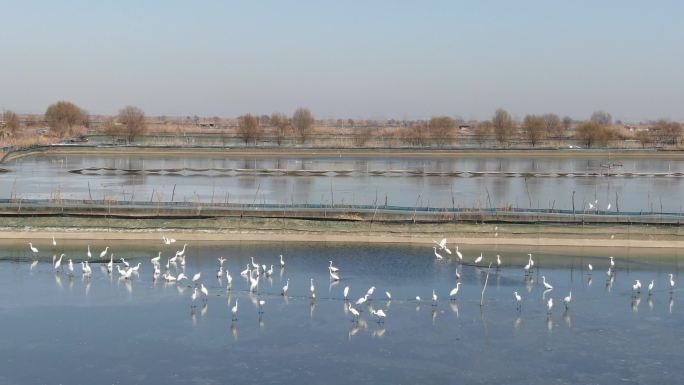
[601, 117]
[416, 134]
[503, 126]
[592, 133]
[533, 128]
[441, 130]
[132, 121]
[12, 122]
[281, 123]
[553, 126]
[249, 128]
[645, 138]
[482, 132]
[362, 134]
[566, 123]
[63, 116]
[303, 123]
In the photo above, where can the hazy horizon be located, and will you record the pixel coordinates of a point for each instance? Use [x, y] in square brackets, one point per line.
[362, 60]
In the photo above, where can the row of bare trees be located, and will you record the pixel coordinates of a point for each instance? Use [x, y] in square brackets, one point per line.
[252, 128]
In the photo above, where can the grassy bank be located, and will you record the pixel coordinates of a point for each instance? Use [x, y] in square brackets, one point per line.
[264, 229]
[170, 151]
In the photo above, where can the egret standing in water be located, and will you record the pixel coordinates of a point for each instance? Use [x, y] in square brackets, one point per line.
[458, 254]
[591, 268]
[547, 286]
[312, 289]
[651, 285]
[549, 305]
[672, 282]
[104, 252]
[355, 313]
[454, 291]
[518, 300]
[345, 292]
[90, 255]
[434, 298]
[333, 268]
[478, 259]
[636, 288]
[388, 295]
[234, 310]
[33, 249]
[58, 263]
[282, 263]
[439, 257]
[54, 243]
[567, 300]
[287, 286]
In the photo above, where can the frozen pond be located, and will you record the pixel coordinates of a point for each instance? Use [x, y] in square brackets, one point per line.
[63, 329]
[45, 177]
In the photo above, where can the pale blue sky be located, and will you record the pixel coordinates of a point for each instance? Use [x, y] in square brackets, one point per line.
[359, 59]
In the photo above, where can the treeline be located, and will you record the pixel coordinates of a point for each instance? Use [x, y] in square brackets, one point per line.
[67, 119]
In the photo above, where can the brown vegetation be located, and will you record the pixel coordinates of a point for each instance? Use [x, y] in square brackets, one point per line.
[503, 126]
[533, 128]
[303, 123]
[249, 128]
[281, 125]
[63, 116]
[593, 133]
[441, 130]
[12, 122]
[132, 121]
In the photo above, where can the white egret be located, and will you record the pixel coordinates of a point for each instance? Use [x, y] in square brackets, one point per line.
[181, 252]
[418, 298]
[269, 272]
[434, 298]
[651, 285]
[234, 310]
[229, 278]
[54, 243]
[204, 290]
[389, 295]
[312, 289]
[547, 286]
[194, 296]
[136, 267]
[567, 299]
[549, 305]
[355, 313]
[590, 267]
[370, 291]
[439, 257]
[608, 207]
[245, 271]
[345, 292]
[637, 286]
[518, 299]
[672, 282]
[285, 288]
[260, 306]
[282, 263]
[156, 259]
[478, 259]
[458, 254]
[380, 314]
[255, 265]
[612, 263]
[181, 276]
[253, 283]
[527, 268]
[124, 262]
[168, 277]
[58, 263]
[454, 291]
[333, 268]
[70, 266]
[196, 277]
[33, 249]
[498, 260]
[220, 261]
[334, 276]
[442, 244]
[90, 255]
[104, 252]
[263, 267]
[173, 259]
[531, 260]
[362, 300]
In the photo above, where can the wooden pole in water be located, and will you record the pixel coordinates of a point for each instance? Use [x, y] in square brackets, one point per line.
[173, 193]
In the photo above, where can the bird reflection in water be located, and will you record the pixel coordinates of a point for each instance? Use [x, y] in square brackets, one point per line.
[567, 318]
[379, 332]
[454, 308]
[517, 322]
[670, 304]
[203, 309]
[234, 331]
[58, 280]
[635, 304]
[312, 307]
[549, 323]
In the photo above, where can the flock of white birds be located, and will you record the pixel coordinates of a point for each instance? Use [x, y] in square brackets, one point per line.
[254, 271]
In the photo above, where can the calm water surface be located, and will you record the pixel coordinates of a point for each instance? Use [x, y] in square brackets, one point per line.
[63, 329]
[48, 176]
